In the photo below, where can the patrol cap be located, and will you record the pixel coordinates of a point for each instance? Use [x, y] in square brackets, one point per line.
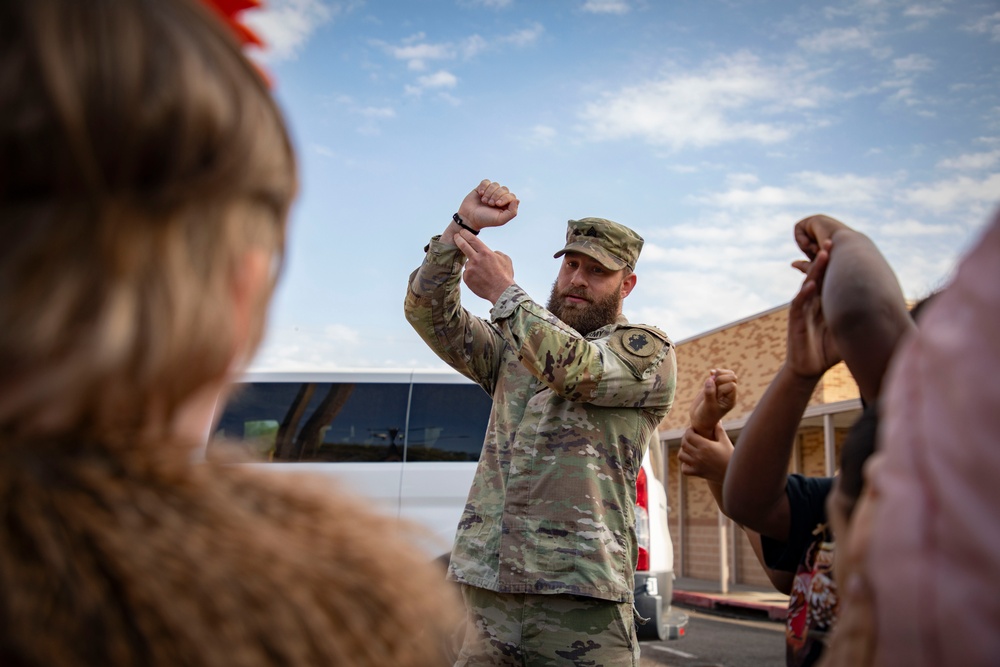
[615, 246]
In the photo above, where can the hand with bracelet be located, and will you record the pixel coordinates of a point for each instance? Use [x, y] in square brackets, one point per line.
[488, 205]
[487, 272]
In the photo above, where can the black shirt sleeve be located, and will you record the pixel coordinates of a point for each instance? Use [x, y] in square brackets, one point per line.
[807, 503]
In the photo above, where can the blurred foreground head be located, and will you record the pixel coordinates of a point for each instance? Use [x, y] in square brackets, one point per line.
[145, 180]
[145, 176]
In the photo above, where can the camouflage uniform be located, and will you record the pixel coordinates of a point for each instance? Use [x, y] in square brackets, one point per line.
[517, 629]
[551, 509]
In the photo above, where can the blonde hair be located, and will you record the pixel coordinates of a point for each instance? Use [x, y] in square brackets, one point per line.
[151, 561]
[142, 155]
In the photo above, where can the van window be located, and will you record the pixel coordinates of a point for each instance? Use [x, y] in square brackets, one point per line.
[447, 422]
[309, 421]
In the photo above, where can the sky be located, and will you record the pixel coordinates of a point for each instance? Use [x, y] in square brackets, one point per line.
[708, 126]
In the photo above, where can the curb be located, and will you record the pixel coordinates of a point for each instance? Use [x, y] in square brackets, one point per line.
[723, 603]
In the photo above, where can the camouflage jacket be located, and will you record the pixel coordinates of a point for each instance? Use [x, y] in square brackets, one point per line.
[552, 506]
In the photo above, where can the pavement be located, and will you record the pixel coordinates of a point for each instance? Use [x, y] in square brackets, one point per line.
[740, 599]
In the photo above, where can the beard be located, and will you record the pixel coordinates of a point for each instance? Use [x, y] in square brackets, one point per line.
[585, 318]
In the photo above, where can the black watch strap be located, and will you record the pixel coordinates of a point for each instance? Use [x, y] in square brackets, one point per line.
[457, 219]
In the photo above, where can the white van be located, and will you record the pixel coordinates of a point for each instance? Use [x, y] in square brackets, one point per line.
[410, 441]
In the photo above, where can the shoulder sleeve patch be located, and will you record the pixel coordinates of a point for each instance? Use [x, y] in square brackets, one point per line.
[641, 347]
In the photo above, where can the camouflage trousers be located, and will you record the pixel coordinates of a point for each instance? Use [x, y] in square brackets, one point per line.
[529, 630]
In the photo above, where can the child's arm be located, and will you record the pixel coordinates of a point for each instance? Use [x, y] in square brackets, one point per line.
[863, 304]
[708, 458]
[754, 487]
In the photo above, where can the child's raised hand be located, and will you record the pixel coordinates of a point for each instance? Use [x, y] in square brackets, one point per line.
[714, 401]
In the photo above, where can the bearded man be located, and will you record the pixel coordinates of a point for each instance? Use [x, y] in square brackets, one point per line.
[545, 551]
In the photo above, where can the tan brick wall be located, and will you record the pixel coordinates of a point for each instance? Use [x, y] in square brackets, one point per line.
[700, 501]
[838, 385]
[811, 446]
[755, 349]
[702, 550]
[748, 568]
[676, 512]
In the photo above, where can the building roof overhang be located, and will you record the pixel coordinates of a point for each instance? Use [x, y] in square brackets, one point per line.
[843, 414]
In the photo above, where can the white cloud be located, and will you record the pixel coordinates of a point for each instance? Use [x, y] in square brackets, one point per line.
[348, 105]
[841, 39]
[449, 98]
[689, 300]
[904, 95]
[870, 11]
[730, 100]
[726, 266]
[913, 63]
[473, 46]
[941, 208]
[733, 259]
[320, 149]
[924, 11]
[341, 334]
[988, 25]
[972, 161]
[683, 168]
[378, 112]
[416, 52]
[438, 80]
[741, 179]
[286, 25]
[524, 37]
[419, 53]
[903, 82]
[653, 252]
[844, 189]
[957, 194]
[541, 135]
[606, 6]
[490, 4]
[909, 228]
[371, 115]
[309, 348]
[921, 273]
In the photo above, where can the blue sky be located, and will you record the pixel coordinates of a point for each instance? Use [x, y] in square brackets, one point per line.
[708, 126]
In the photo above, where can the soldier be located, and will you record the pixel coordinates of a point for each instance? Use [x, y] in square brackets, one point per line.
[545, 550]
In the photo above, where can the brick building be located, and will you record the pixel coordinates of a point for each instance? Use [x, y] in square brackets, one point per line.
[706, 545]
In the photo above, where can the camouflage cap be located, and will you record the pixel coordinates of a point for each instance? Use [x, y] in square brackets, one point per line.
[615, 246]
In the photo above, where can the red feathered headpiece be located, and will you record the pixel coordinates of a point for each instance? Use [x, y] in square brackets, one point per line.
[229, 11]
